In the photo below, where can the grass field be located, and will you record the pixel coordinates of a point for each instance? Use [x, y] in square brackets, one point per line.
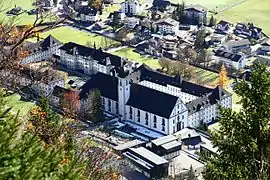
[14, 101]
[209, 4]
[256, 11]
[206, 76]
[66, 34]
[23, 18]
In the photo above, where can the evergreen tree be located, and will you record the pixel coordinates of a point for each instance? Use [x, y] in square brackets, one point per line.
[94, 110]
[191, 174]
[24, 156]
[212, 21]
[243, 140]
[223, 78]
[200, 40]
[181, 12]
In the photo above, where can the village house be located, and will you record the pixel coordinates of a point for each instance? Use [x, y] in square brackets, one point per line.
[223, 27]
[161, 5]
[233, 60]
[196, 14]
[131, 22]
[121, 16]
[80, 4]
[88, 14]
[166, 26]
[248, 31]
[130, 7]
[265, 48]
[42, 50]
[240, 46]
[149, 48]
[142, 33]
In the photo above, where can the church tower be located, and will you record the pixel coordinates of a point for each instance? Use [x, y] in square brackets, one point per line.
[123, 95]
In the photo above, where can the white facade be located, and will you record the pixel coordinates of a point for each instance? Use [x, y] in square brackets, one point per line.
[240, 64]
[89, 18]
[86, 64]
[209, 113]
[41, 55]
[131, 7]
[131, 22]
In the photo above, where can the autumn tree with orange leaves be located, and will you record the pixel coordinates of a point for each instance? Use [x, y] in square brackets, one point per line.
[223, 78]
[71, 102]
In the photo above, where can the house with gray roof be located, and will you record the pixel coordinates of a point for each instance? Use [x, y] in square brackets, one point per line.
[242, 46]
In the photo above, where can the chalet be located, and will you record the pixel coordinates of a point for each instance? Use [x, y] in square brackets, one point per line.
[161, 5]
[196, 14]
[237, 46]
[236, 61]
[131, 22]
[88, 14]
[223, 26]
[248, 31]
[143, 33]
[130, 7]
[166, 26]
[265, 48]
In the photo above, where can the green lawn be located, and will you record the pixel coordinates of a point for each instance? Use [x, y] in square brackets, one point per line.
[67, 34]
[23, 18]
[209, 4]
[14, 101]
[256, 11]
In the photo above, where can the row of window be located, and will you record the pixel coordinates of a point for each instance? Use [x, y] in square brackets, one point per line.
[146, 119]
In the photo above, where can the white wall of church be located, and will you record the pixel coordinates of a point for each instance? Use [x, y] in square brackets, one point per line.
[169, 89]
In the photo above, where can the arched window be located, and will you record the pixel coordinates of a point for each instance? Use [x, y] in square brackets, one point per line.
[155, 119]
[130, 110]
[138, 112]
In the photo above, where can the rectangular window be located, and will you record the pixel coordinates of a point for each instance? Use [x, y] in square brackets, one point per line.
[163, 128]
[146, 122]
[155, 125]
[163, 121]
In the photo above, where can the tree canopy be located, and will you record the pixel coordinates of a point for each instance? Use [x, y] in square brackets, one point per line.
[243, 140]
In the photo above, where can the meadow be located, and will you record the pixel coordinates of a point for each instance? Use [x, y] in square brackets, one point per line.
[67, 34]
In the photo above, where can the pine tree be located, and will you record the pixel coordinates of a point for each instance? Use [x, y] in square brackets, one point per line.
[191, 174]
[243, 140]
[24, 156]
[223, 78]
[94, 110]
[212, 21]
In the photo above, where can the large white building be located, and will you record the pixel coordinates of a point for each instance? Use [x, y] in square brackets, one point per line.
[138, 94]
[141, 95]
[42, 50]
[130, 7]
